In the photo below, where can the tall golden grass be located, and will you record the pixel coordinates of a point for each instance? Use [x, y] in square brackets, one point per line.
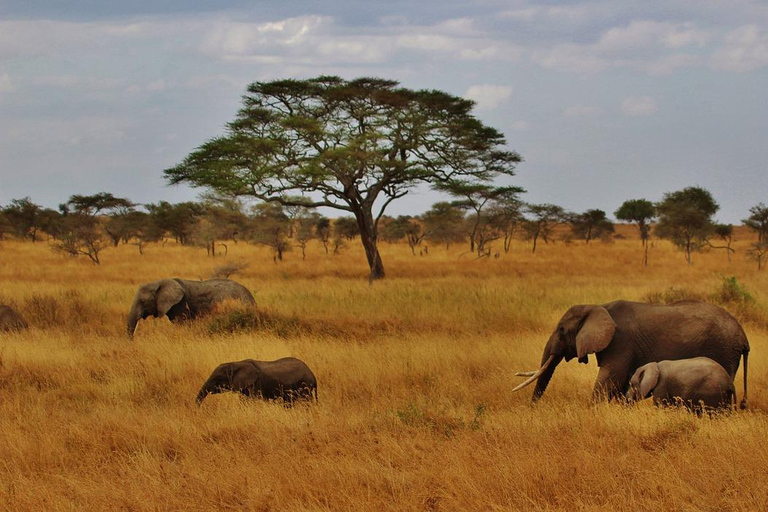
[415, 372]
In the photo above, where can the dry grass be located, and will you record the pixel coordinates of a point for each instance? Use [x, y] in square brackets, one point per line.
[414, 374]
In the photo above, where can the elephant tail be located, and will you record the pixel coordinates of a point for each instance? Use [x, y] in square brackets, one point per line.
[745, 355]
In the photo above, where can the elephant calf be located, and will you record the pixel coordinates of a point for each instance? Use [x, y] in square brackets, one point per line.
[699, 383]
[287, 378]
[182, 299]
[11, 320]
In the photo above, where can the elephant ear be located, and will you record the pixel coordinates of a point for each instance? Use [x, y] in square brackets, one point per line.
[648, 380]
[169, 294]
[596, 332]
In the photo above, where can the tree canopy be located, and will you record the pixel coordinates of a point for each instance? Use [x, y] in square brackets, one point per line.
[685, 217]
[352, 145]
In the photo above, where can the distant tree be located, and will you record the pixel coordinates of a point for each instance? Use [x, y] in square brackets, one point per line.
[25, 217]
[641, 213]
[758, 251]
[723, 232]
[505, 216]
[5, 226]
[177, 219]
[444, 224]
[51, 223]
[685, 218]
[221, 218]
[475, 197]
[540, 220]
[346, 227]
[270, 227]
[96, 204]
[304, 224]
[82, 230]
[758, 221]
[355, 143]
[590, 225]
[406, 227]
[323, 231]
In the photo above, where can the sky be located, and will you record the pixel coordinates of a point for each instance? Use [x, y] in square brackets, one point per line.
[605, 100]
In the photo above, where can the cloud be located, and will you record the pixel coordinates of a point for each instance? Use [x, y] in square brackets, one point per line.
[489, 96]
[650, 46]
[745, 49]
[639, 106]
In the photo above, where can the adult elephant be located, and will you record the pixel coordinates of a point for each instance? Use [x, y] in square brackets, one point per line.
[181, 299]
[625, 335]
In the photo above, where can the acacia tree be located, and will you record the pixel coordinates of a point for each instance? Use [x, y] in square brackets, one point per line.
[641, 213]
[444, 223]
[685, 217]
[25, 217]
[590, 225]
[541, 219]
[758, 222]
[352, 145]
[475, 197]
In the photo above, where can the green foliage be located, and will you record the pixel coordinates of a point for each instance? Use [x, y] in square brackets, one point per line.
[640, 212]
[758, 221]
[25, 217]
[733, 292]
[685, 218]
[355, 143]
[444, 223]
[590, 225]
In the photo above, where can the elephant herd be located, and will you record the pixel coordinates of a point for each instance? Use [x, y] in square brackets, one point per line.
[684, 353]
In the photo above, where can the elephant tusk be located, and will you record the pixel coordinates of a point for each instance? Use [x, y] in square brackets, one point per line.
[535, 375]
[524, 374]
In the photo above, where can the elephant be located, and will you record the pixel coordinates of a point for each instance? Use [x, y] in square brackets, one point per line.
[698, 383]
[182, 299]
[11, 320]
[287, 378]
[625, 335]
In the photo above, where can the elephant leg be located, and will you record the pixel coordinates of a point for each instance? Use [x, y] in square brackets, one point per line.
[610, 385]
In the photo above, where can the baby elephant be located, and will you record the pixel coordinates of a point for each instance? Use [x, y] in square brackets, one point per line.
[700, 383]
[287, 378]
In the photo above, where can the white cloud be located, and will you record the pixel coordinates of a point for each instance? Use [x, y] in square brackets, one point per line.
[639, 106]
[581, 111]
[745, 49]
[642, 45]
[519, 126]
[489, 96]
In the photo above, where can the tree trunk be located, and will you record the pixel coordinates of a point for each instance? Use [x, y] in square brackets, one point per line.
[369, 239]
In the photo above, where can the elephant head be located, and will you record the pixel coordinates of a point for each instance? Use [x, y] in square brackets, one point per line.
[236, 376]
[154, 299]
[583, 330]
[643, 382]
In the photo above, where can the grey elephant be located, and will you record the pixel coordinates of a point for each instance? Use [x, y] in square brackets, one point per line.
[11, 320]
[287, 378]
[698, 383]
[182, 299]
[625, 335]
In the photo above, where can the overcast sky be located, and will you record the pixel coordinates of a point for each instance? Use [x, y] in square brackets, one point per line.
[605, 100]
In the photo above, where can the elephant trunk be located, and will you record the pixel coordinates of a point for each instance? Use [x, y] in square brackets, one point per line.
[209, 388]
[204, 392]
[133, 319]
[549, 362]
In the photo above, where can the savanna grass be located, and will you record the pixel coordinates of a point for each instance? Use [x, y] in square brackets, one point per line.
[414, 373]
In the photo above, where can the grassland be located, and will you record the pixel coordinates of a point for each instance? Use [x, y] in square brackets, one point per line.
[415, 373]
